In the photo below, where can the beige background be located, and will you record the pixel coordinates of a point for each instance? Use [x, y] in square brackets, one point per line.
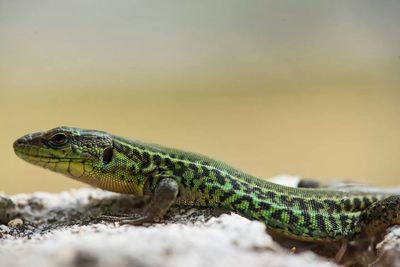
[271, 87]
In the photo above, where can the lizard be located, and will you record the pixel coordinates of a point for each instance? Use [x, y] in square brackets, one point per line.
[166, 176]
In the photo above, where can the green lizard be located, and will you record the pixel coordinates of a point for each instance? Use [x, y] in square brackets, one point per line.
[169, 176]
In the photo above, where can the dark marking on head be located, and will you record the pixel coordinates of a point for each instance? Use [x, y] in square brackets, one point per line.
[179, 169]
[168, 163]
[107, 155]
[157, 159]
[135, 155]
[145, 160]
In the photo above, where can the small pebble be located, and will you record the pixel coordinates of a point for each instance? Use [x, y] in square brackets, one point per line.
[17, 222]
[4, 228]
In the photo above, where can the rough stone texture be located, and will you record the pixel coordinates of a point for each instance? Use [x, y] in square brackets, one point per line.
[58, 230]
[389, 249]
[62, 230]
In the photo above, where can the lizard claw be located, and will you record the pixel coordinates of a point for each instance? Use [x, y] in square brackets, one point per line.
[137, 219]
[132, 219]
[114, 218]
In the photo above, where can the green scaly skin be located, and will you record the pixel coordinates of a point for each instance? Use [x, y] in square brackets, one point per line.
[172, 176]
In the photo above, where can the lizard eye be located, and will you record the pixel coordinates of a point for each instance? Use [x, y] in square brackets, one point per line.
[58, 140]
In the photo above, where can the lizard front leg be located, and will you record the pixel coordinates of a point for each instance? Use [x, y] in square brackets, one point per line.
[162, 198]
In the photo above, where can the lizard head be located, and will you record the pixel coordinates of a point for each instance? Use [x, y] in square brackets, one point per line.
[71, 151]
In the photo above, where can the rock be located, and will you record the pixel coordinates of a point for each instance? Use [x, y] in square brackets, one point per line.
[17, 222]
[389, 249]
[63, 230]
[6, 209]
[60, 230]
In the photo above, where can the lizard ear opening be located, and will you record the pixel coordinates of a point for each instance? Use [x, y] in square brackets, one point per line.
[107, 154]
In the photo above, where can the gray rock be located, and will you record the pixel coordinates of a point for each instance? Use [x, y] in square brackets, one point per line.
[389, 249]
[61, 230]
[6, 209]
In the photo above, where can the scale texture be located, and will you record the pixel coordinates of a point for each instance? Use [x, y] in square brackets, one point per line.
[120, 165]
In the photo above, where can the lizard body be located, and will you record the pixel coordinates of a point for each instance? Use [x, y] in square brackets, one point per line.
[169, 176]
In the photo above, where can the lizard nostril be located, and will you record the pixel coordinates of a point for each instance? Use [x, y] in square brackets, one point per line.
[21, 141]
[18, 143]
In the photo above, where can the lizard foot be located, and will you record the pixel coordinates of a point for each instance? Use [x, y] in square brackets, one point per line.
[132, 219]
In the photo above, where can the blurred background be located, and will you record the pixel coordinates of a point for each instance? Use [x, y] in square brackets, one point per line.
[308, 88]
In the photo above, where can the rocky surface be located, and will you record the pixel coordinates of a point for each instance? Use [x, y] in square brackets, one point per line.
[388, 251]
[62, 230]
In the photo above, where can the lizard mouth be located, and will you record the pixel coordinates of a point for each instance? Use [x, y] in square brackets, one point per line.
[31, 154]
